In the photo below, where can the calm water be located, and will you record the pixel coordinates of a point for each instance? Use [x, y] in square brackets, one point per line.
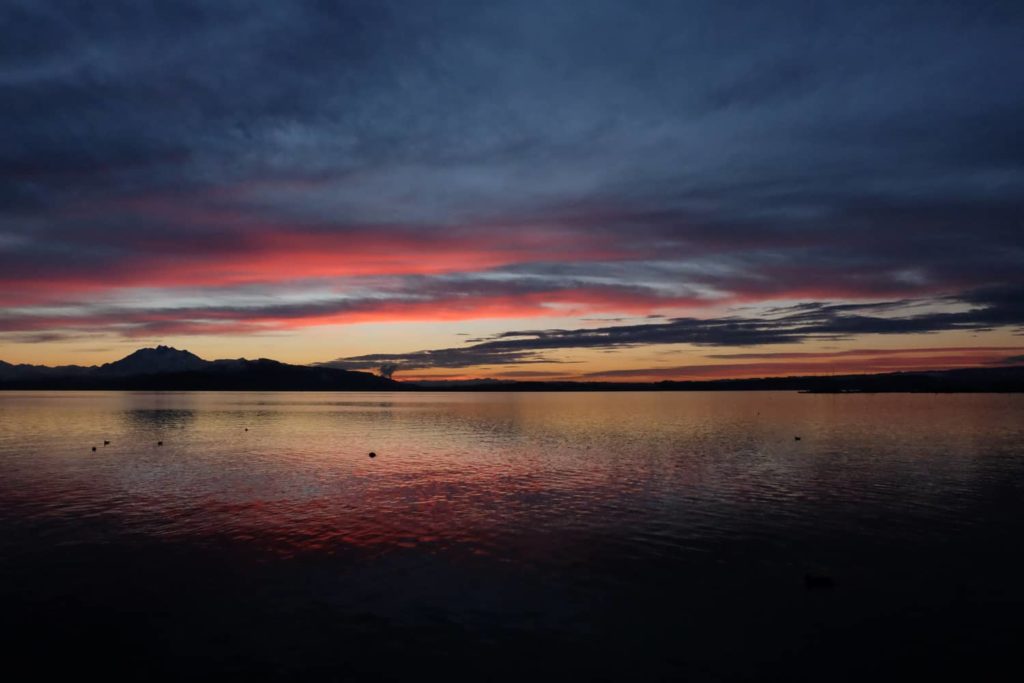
[646, 536]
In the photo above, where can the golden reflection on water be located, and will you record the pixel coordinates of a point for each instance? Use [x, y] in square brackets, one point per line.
[513, 475]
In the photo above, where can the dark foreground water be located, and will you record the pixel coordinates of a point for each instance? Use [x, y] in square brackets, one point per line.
[588, 536]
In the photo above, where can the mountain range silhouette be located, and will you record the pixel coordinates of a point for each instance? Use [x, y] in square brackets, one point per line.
[167, 368]
[164, 367]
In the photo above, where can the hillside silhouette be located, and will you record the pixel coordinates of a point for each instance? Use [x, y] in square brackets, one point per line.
[167, 368]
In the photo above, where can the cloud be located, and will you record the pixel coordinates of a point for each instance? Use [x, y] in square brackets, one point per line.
[406, 160]
[792, 324]
[259, 308]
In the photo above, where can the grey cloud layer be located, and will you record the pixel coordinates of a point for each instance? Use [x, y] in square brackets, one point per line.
[513, 104]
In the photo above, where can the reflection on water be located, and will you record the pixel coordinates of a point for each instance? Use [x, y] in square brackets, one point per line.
[647, 535]
[153, 419]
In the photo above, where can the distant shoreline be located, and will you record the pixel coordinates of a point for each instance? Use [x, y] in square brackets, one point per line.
[967, 381]
[167, 369]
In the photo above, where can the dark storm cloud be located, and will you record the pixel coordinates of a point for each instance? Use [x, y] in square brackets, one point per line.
[800, 323]
[756, 151]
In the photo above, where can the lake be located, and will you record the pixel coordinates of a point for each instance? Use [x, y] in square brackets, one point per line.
[502, 536]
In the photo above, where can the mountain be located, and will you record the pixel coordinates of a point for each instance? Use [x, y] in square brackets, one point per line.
[166, 368]
[159, 360]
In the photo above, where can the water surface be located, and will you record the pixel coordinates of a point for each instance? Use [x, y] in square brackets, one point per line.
[647, 536]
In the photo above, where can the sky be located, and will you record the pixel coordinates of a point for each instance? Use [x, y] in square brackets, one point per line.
[632, 190]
